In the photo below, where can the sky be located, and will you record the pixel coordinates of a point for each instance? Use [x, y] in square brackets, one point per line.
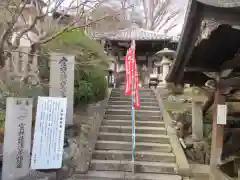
[181, 4]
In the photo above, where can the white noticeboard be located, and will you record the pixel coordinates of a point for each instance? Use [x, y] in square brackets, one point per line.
[49, 133]
[221, 114]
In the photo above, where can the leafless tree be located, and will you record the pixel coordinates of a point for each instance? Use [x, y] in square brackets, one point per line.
[159, 15]
[113, 22]
[16, 24]
[37, 22]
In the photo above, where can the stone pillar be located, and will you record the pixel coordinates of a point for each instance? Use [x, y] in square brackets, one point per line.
[197, 121]
[165, 64]
[24, 61]
[62, 80]
[165, 71]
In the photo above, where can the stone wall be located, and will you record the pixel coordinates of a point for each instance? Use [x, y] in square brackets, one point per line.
[90, 119]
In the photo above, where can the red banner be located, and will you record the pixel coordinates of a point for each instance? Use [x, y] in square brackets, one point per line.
[128, 70]
[127, 86]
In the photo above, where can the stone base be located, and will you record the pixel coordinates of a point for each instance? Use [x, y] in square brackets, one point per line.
[200, 150]
[162, 85]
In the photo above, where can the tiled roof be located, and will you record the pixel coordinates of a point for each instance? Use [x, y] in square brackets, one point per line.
[221, 3]
[133, 33]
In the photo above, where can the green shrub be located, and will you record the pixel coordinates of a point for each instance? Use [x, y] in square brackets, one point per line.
[2, 118]
[90, 86]
[90, 64]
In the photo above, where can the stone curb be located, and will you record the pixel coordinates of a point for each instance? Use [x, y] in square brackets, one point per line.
[86, 150]
[181, 160]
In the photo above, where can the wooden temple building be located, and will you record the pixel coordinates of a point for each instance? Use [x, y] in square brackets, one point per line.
[208, 55]
[148, 43]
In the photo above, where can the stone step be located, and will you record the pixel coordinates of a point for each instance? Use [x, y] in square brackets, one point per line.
[153, 99]
[127, 107]
[140, 166]
[142, 95]
[129, 112]
[138, 117]
[122, 102]
[139, 137]
[113, 175]
[139, 156]
[140, 90]
[128, 129]
[140, 146]
[107, 122]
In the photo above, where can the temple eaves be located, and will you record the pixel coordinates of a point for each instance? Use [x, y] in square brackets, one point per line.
[221, 3]
[133, 33]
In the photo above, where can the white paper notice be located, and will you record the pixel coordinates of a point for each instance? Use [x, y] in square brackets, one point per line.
[49, 133]
[221, 114]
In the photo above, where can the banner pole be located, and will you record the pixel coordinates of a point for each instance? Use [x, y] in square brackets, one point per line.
[133, 109]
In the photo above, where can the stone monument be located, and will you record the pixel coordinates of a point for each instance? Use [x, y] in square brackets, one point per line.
[62, 80]
[17, 138]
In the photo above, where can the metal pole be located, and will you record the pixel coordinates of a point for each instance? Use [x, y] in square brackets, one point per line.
[133, 109]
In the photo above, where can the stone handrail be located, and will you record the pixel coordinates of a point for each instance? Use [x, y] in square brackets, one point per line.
[181, 160]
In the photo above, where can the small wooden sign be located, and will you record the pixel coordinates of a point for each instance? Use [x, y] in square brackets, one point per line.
[221, 114]
[17, 138]
[49, 133]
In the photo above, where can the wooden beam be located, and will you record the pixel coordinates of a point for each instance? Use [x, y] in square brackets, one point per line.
[232, 100]
[189, 37]
[208, 104]
[230, 82]
[217, 132]
[232, 118]
[198, 69]
[222, 15]
[233, 130]
[231, 64]
[234, 114]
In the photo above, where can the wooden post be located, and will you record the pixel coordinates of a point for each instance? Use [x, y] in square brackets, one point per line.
[150, 64]
[217, 132]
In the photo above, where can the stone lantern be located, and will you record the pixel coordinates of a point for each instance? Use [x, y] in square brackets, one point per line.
[166, 55]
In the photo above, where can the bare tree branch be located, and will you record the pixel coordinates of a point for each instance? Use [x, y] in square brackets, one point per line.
[158, 14]
[34, 23]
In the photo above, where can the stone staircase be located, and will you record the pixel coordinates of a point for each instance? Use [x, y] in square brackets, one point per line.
[112, 155]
